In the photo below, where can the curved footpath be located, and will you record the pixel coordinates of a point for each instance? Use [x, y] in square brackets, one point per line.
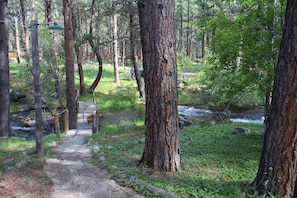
[72, 171]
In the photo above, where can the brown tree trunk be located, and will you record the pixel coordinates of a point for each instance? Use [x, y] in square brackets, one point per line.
[48, 10]
[70, 89]
[157, 26]
[133, 52]
[78, 53]
[203, 46]
[188, 29]
[96, 51]
[4, 72]
[277, 168]
[180, 44]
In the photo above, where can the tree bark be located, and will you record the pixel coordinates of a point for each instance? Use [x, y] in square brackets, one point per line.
[96, 52]
[188, 29]
[277, 168]
[133, 52]
[70, 89]
[16, 32]
[78, 53]
[25, 34]
[115, 44]
[37, 89]
[4, 72]
[180, 43]
[157, 26]
[48, 10]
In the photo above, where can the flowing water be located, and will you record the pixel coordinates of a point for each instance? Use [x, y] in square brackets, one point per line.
[251, 115]
[127, 116]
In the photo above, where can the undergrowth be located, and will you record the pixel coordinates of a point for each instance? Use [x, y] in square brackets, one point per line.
[215, 162]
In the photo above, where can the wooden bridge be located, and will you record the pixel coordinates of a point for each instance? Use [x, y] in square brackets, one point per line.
[88, 114]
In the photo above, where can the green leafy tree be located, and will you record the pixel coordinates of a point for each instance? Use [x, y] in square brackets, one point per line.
[244, 49]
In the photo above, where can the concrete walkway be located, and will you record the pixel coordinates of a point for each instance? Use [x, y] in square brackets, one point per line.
[71, 168]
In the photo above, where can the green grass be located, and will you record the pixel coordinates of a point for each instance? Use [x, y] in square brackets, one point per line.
[216, 163]
[108, 94]
[12, 147]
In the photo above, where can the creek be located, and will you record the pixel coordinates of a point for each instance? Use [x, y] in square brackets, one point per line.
[248, 115]
[22, 123]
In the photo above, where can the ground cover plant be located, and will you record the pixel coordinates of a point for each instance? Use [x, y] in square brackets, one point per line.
[216, 163]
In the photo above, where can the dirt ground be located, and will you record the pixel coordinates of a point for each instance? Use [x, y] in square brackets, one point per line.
[29, 181]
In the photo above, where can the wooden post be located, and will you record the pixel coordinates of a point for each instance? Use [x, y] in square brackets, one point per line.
[96, 122]
[66, 120]
[37, 88]
[57, 126]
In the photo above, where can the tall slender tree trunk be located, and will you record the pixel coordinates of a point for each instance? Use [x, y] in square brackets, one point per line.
[4, 72]
[48, 10]
[95, 50]
[203, 45]
[25, 33]
[78, 52]
[115, 44]
[16, 32]
[180, 42]
[123, 53]
[188, 29]
[133, 52]
[277, 168]
[157, 26]
[70, 89]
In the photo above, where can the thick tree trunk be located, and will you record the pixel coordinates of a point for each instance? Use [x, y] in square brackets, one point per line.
[4, 72]
[70, 89]
[157, 27]
[277, 168]
[133, 52]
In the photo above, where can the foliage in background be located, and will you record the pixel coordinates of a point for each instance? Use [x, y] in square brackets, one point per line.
[243, 52]
[183, 62]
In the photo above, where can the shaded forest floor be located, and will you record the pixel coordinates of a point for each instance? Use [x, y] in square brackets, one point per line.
[29, 181]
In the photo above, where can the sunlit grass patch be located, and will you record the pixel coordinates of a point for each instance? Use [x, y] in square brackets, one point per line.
[12, 147]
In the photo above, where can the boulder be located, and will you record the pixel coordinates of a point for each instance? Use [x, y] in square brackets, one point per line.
[241, 130]
[184, 121]
[15, 96]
